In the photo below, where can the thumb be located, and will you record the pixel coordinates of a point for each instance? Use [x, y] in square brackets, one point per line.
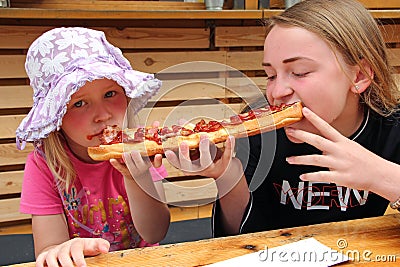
[118, 166]
[94, 246]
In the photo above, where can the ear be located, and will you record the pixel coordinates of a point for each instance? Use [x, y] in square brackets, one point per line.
[363, 77]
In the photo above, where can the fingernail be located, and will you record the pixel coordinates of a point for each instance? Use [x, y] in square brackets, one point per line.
[204, 140]
[289, 130]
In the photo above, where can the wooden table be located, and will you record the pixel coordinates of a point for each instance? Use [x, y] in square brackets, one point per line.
[377, 240]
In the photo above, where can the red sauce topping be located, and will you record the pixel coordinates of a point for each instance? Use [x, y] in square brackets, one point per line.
[157, 134]
[211, 126]
[247, 116]
[117, 139]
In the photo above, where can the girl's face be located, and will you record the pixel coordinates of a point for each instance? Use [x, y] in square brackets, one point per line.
[302, 67]
[94, 106]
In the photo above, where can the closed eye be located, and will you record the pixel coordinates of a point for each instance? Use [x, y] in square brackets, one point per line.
[300, 74]
[271, 77]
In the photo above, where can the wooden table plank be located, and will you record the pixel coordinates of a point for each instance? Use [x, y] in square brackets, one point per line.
[369, 238]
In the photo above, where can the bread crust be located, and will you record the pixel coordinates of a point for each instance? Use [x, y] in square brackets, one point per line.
[261, 124]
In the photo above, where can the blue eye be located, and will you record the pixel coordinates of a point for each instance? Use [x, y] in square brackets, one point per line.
[110, 94]
[78, 104]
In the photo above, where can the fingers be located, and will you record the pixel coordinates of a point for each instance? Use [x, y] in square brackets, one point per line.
[172, 158]
[77, 255]
[134, 161]
[51, 258]
[47, 258]
[95, 246]
[229, 149]
[311, 160]
[205, 155]
[321, 176]
[325, 129]
[40, 259]
[73, 252]
[207, 164]
[136, 164]
[184, 158]
[315, 140]
[119, 167]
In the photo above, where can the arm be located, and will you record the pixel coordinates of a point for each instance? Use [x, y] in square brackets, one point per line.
[233, 206]
[346, 159]
[149, 212]
[58, 247]
[228, 174]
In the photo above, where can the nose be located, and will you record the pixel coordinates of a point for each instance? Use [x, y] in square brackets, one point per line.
[101, 114]
[278, 91]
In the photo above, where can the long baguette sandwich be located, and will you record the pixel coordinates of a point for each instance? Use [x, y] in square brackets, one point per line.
[150, 141]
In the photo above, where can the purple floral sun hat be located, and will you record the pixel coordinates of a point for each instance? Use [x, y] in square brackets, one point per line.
[61, 61]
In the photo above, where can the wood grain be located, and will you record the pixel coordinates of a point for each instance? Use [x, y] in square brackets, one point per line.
[367, 3]
[9, 210]
[379, 235]
[109, 5]
[126, 38]
[11, 182]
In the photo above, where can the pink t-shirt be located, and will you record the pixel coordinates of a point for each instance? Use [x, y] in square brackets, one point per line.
[95, 206]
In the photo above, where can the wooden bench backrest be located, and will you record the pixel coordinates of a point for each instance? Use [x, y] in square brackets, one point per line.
[153, 50]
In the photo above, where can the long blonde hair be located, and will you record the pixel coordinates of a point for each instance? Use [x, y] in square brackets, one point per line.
[57, 159]
[351, 30]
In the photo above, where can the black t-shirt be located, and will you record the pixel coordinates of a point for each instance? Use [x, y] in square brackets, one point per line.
[279, 199]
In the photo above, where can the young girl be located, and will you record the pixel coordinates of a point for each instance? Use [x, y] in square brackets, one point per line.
[341, 161]
[81, 207]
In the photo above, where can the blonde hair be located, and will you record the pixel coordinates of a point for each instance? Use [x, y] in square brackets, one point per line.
[351, 31]
[58, 160]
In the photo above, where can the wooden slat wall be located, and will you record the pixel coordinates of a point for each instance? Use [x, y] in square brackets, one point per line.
[109, 5]
[165, 5]
[151, 49]
[371, 4]
[165, 47]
